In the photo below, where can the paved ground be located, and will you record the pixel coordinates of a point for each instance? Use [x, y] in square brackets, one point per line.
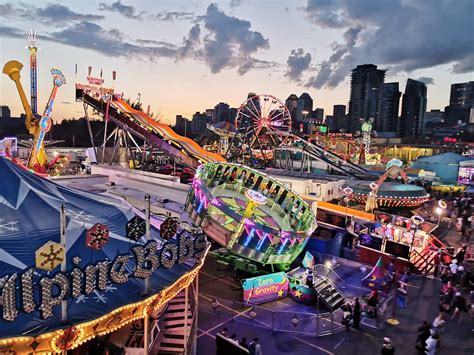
[422, 305]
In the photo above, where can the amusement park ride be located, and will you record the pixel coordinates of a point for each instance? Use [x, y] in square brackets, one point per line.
[36, 125]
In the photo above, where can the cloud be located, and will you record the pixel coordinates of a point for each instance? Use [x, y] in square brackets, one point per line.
[173, 16]
[111, 43]
[52, 14]
[400, 35]
[235, 3]
[127, 11]
[216, 39]
[11, 32]
[230, 43]
[426, 79]
[190, 43]
[298, 61]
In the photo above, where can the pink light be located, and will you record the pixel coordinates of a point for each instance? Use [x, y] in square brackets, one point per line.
[248, 222]
[215, 202]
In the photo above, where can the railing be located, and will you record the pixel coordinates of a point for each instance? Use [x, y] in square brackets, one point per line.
[310, 324]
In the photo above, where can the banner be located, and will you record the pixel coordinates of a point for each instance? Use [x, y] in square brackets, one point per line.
[265, 288]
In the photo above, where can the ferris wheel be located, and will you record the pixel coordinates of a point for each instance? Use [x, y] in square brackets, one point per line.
[265, 120]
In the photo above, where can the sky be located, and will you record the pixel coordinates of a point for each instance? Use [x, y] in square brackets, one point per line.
[186, 56]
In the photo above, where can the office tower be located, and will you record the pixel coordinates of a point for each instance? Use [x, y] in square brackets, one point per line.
[388, 111]
[339, 117]
[318, 115]
[461, 101]
[413, 109]
[304, 107]
[180, 126]
[292, 103]
[221, 113]
[462, 94]
[199, 123]
[366, 82]
[5, 112]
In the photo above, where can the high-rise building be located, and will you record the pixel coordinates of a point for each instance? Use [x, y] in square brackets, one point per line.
[461, 101]
[366, 82]
[199, 123]
[388, 110]
[413, 109]
[304, 107]
[292, 104]
[339, 117]
[5, 112]
[182, 125]
[221, 113]
[462, 95]
[433, 119]
[318, 115]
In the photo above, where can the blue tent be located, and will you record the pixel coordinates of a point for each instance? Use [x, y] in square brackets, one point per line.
[30, 217]
[446, 165]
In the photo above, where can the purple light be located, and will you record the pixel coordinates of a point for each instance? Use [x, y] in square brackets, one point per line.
[249, 237]
[248, 222]
[215, 201]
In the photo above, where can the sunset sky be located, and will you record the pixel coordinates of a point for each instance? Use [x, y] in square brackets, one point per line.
[186, 56]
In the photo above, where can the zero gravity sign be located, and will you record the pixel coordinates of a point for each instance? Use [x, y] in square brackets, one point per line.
[49, 290]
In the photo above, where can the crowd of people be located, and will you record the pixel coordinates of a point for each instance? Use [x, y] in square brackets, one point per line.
[254, 347]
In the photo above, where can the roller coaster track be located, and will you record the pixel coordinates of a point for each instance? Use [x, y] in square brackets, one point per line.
[157, 134]
[334, 161]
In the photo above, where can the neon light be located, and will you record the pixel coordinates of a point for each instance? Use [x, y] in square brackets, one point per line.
[249, 237]
[201, 205]
[260, 243]
[280, 250]
[248, 222]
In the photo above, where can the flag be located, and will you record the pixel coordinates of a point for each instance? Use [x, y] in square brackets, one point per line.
[114, 75]
[90, 71]
[76, 69]
[101, 73]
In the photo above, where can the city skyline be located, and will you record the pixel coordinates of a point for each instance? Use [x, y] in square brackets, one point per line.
[184, 57]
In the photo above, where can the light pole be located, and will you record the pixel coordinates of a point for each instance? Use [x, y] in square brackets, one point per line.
[442, 205]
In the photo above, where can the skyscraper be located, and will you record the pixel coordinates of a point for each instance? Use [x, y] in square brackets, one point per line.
[292, 103]
[462, 94]
[388, 111]
[304, 104]
[366, 82]
[339, 117]
[413, 109]
[461, 101]
[5, 112]
[199, 123]
[221, 113]
[318, 115]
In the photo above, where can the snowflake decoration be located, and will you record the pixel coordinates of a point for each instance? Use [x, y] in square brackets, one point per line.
[81, 299]
[100, 297]
[110, 288]
[97, 236]
[135, 228]
[6, 227]
[49, 256]
[79, 215]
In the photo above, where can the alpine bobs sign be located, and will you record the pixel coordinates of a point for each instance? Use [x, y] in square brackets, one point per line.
[18, 291]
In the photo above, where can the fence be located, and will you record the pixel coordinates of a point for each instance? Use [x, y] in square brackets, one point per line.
[312, 324]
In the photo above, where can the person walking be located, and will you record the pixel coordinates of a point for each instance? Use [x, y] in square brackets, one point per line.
[356, 314]
[423, 335]
[431, 343]
[387, 347]
[459, 306]
[255, 348]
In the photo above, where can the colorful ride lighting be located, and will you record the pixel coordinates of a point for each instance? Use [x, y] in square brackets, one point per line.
[256, 197]
[250, 214]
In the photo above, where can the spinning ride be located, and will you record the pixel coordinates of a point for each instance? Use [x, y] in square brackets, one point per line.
[385, 194]
[263, 123]
[250, 214]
